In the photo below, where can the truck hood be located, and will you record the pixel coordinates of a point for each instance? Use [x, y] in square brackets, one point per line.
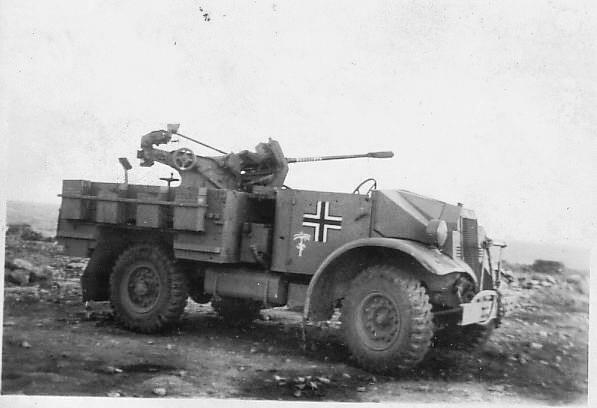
[403, 214]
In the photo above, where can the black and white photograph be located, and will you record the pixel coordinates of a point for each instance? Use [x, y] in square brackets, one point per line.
[249, 203]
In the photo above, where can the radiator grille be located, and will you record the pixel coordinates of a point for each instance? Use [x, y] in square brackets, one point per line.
[470, 243]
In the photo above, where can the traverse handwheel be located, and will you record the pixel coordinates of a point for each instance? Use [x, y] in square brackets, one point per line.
[184, 159]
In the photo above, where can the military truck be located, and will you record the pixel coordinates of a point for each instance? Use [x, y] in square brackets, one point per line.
[401, 268]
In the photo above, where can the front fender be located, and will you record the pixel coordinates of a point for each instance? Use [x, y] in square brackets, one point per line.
[431, 259]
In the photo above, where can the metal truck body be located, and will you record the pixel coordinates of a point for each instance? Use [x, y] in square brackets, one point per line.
[233, 234]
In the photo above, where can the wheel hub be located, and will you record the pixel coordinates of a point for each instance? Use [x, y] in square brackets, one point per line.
[380, 320]
[143, 287]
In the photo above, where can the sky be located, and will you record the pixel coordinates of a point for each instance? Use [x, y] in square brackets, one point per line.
[490, 103]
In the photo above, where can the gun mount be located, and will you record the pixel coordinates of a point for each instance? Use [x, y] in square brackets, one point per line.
[266, 166]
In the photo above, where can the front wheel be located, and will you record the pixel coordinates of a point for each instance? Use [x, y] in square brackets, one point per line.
[386, 319]
[147, 292]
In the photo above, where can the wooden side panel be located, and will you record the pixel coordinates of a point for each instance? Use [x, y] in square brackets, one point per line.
[152, 215]
[74, 208]
[110, 212]
[78, 239]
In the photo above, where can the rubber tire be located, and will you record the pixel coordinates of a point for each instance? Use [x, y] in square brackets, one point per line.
[171, 301]
[413, 340]
[237, 312]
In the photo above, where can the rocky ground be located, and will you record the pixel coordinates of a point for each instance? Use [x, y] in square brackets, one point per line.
[53, 345]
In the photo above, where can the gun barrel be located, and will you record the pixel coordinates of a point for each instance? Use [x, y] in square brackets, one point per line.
[375, 155]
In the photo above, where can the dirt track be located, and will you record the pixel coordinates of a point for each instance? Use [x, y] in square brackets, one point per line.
[53, 346]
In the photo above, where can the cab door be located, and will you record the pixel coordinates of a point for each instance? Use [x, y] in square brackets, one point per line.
[309, 225]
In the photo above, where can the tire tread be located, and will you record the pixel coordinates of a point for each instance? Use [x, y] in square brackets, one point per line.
[421, 322]
[177, 287]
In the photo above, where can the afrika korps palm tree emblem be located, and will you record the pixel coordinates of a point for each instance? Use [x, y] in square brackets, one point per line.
[301, 237]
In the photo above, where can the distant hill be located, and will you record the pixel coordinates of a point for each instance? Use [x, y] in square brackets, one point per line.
[43, 217]
[527, 252]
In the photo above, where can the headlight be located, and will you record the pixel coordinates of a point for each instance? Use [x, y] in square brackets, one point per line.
[437, 232]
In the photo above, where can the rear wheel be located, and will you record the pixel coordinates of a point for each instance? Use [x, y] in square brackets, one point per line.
[237, 312]
[386, 319]
[147, 292]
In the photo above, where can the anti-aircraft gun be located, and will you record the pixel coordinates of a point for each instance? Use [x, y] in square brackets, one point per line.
[267, 166]
[401, 268]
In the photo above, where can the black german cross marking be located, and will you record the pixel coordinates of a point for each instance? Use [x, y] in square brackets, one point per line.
[322, 221]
